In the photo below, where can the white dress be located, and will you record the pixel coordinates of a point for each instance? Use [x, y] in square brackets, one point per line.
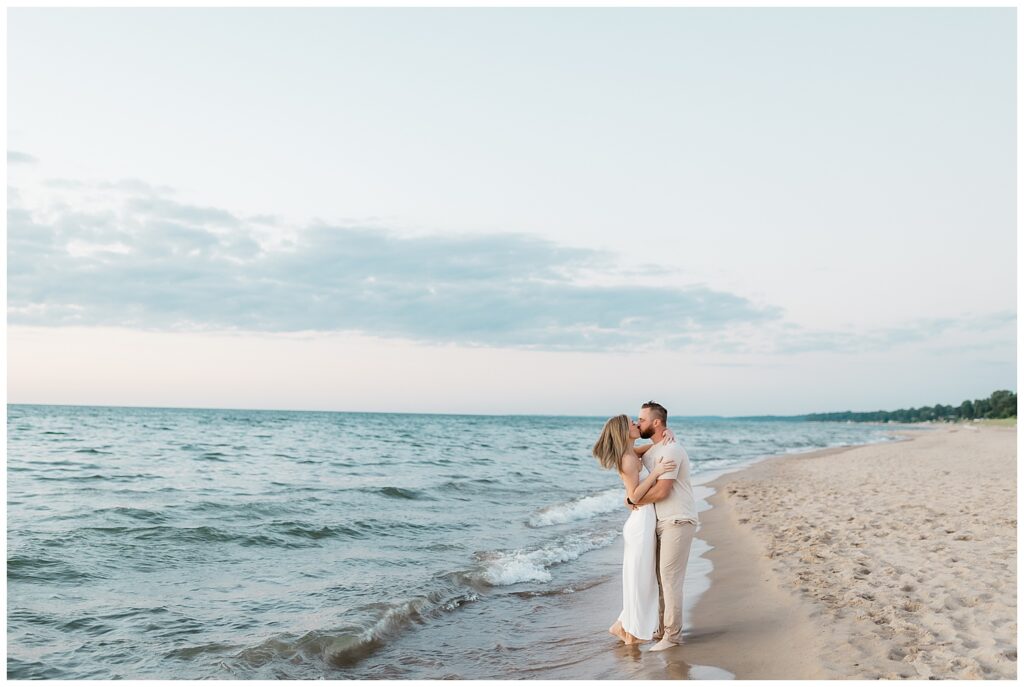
[639, 615]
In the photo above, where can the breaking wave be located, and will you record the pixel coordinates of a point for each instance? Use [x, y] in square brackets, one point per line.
[502, 568]
[578, 509]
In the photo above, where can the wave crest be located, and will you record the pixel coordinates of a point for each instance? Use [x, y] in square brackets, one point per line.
[350, 643]
[503, 568]
[578, 509]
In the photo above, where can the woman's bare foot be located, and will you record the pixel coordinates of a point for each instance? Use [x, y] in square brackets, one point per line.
[618, 631]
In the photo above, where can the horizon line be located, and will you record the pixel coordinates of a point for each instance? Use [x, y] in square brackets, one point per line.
[351, 412]
[452, 414]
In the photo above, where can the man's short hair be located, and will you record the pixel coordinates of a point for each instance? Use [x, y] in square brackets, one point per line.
[657, 411]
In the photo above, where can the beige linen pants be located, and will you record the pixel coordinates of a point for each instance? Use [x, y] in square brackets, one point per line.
[672, 554]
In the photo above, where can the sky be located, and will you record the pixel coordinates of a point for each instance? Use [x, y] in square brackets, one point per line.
[553, 211]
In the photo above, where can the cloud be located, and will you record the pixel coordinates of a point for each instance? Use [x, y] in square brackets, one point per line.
[782, 340]
[150, 262]
[160, 209]
[14, 157]
[123, 185]
[797, 340]
[140, 259]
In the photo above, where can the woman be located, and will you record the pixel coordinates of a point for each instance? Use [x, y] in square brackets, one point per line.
[614, 449]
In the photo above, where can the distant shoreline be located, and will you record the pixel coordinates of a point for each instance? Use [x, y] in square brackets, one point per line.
[729, 418]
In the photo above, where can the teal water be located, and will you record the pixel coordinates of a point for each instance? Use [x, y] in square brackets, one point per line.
[177, 543]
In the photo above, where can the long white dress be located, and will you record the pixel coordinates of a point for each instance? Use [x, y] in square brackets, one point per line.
[639, 615]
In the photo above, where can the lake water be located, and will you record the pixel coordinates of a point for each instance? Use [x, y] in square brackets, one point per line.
[178, 543]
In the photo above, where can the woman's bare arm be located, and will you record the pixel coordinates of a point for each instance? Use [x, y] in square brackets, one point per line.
[635, 489]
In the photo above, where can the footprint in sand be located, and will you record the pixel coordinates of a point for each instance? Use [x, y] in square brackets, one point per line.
[968, 601]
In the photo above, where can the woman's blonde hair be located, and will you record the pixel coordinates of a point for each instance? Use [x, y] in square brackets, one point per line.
[613, 443]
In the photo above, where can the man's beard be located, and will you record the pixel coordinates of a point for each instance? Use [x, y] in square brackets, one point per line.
[647, 433]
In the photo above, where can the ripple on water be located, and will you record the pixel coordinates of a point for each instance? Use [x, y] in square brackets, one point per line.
[304, 530]
[99, 478]
[188, 653]
[18, 669]
[45, 570]
[140, 514]
[402, 493]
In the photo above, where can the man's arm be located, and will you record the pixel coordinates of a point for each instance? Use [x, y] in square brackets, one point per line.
[637, 492]
[659, 492]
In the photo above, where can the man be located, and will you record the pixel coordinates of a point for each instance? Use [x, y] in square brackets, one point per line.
[676, 511]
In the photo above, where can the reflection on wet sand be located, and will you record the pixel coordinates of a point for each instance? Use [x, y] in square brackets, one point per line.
[669, 664]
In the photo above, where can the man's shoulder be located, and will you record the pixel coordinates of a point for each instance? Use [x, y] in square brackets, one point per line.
[673, 450]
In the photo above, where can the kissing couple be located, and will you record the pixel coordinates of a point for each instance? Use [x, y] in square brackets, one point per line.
[660, 529]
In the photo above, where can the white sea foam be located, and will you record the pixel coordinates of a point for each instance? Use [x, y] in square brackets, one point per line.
[501, 568]
[579, 509]
[452, 604]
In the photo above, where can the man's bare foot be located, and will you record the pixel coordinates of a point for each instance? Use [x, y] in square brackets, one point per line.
[663, 644]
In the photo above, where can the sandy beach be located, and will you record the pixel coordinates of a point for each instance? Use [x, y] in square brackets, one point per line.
[884, 561]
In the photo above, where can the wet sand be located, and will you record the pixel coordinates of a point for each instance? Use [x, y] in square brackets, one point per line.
[755, 622]
[885, 561]
[581, 621]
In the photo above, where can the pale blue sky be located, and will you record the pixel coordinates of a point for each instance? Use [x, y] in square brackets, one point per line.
[512, 210]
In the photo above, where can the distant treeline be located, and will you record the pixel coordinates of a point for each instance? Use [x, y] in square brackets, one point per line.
[1000, 404]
